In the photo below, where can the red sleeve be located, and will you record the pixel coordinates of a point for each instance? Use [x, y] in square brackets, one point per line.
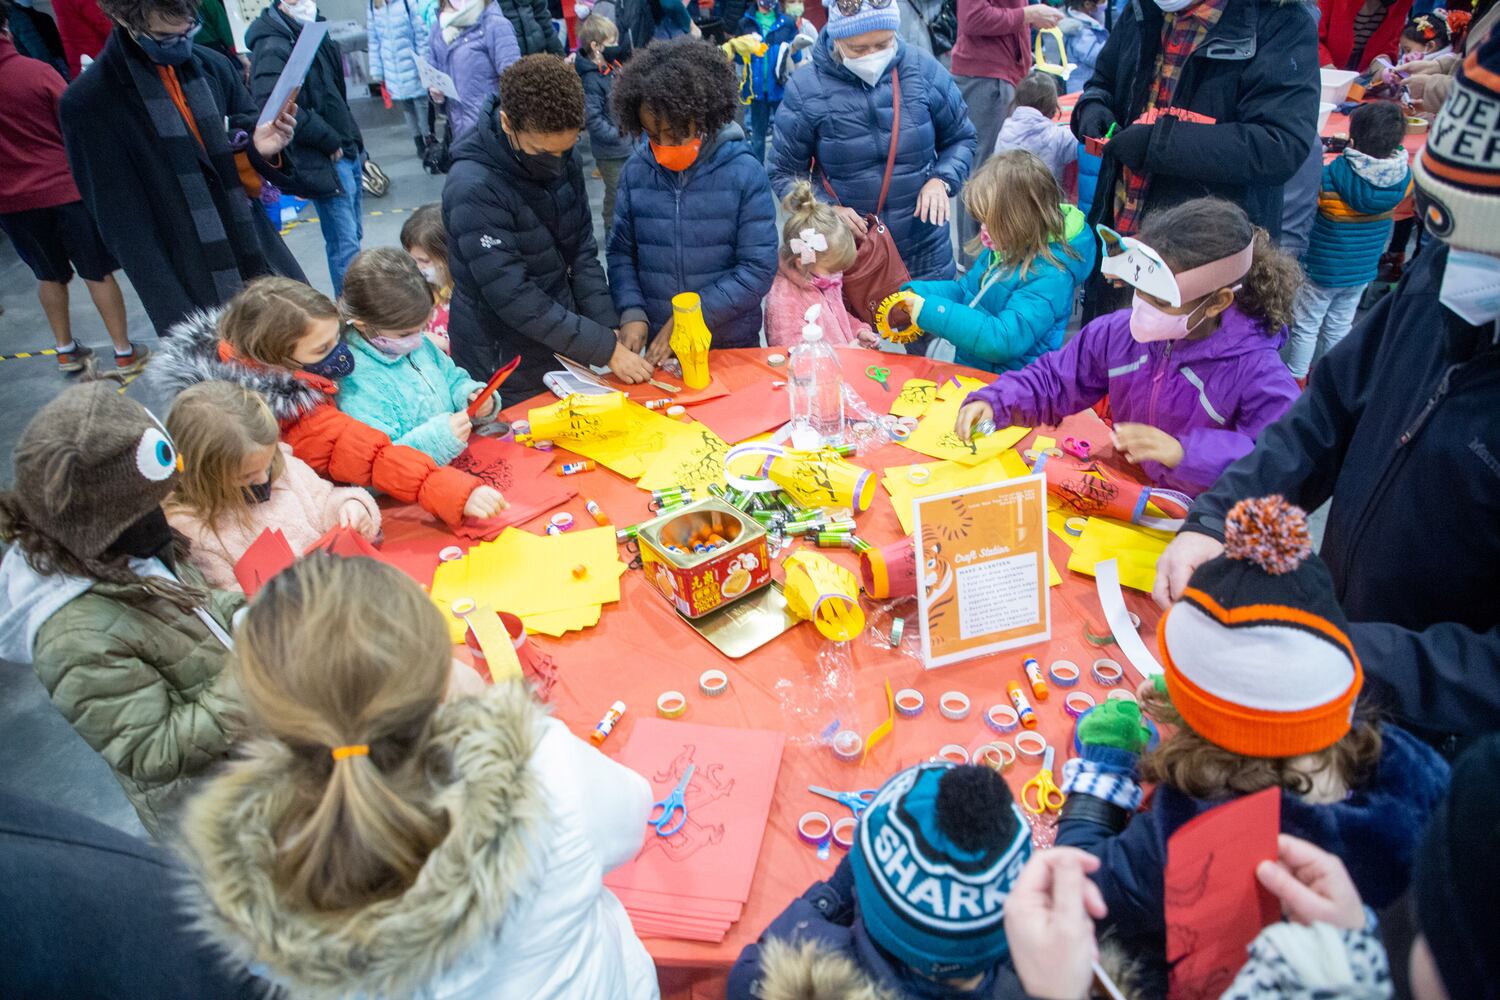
[989, 18]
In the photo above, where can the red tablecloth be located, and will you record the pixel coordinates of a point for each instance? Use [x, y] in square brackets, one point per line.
[641, 648]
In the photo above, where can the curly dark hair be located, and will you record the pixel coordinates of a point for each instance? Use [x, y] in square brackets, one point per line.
[542, 93]
[133, 13]
[686, 82]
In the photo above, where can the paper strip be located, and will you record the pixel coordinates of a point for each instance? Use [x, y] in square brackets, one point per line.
[1107, 578]
[495, 642]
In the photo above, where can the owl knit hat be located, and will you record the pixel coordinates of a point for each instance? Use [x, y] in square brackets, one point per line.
[867, 18]
[934, 859]
[1257, 652]
[1458, 172]
[91, 463]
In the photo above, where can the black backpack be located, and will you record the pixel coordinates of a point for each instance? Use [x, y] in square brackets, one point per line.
[943, 28]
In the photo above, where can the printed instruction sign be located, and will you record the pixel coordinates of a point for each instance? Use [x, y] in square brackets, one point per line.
[435, 79]
[982, 569]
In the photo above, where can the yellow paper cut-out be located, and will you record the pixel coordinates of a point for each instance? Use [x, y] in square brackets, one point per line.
[624, 436]
[495, 642]
[578, 417]
[821, 591]
[1137, 549]
[883, 730]
[916, 395]
[935, 436]
[693, 460]
[957, 387]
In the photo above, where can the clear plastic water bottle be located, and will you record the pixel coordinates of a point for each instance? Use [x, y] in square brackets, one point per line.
[815, 385]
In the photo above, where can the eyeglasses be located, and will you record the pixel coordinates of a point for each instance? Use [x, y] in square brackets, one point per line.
[851, 7]
[168, 39]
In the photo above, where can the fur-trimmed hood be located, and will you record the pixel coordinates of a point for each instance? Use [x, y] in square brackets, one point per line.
[489, 861]
[191, 352]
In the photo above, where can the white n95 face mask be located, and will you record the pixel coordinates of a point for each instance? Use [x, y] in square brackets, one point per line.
[870, 67]
[1173, 6]
[1471, 286]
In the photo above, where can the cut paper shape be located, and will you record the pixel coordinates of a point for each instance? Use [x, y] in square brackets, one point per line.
[690, 340]
[693, 460]
[1112, 601]
[916, 396]
[579, 417]
[751, 410]
[935, 435]
[619, 435]
[558, 623]
[495, 642]
[1135, 548]
[346, 542]
[1213, 904]
[496, 381]
[715, 390]
[268, 555]
[1041, 442]
[821, 591]
[958, 387]
[883, 730]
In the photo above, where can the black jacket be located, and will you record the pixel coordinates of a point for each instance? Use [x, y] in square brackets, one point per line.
[1256, 75]
[532, 20]
[606, 140]
[526, 272]
[325, 124]
[138, 204]
[1399, 428]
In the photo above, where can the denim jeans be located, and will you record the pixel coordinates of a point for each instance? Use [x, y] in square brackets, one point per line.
[341, 220]
[761, 113]
[1320, 319]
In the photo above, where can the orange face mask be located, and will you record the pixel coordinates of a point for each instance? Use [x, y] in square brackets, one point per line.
[676, 158]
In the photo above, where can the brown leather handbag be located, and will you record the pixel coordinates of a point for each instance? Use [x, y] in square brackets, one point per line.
[877, 270]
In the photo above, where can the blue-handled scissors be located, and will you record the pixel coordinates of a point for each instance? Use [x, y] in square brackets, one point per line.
[674, 803]
[857, 802]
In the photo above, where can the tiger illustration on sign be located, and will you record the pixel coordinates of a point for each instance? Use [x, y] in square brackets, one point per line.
[937, 577]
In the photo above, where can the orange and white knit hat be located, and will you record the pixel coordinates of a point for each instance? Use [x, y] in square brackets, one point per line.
[1257, 651]
[1458, 172]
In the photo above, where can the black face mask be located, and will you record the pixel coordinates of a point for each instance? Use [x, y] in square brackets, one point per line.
[149, 535]
[544, 168]
[616, 53]
[259, 492]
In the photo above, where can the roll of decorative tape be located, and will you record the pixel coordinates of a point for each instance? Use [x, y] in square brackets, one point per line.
[910, 423]
[953, 753]
[954, 705]
[521, 427]
[909, 701]
[1078, 702]
[671, 704]
[451, 553]
[562, 519]
[1120, 694]
[1002, 718]
[1075, 525]
[676, 411]
[1031, 746]
[1064, 673]
[713, 682]
[542, 445]
[843, 832]
[463, 607]
[815, 828]
[898, 629]
[847, 744]
[918, 475]
[1108, 672]
[1031, 455]
[997, 756]
[899, 433]
[1135, 619]
[1053, 453]
[776, 360]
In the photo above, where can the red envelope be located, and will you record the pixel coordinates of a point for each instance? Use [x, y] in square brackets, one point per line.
[268, 555]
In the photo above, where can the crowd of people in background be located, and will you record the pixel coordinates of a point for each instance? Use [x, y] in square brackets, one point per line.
[358, 814]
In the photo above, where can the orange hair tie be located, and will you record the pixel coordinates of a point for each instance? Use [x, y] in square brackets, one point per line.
[355, 750]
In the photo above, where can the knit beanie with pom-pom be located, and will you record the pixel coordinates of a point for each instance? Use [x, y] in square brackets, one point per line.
[1257, 652]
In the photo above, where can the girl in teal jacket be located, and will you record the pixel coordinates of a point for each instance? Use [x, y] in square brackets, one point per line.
[401, 383]
[1013, 305]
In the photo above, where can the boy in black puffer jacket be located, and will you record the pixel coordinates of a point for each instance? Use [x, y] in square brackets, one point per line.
[600, 59]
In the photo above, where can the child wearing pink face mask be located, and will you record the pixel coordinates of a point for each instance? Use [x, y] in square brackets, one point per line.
[816, 247]
[1190, 385]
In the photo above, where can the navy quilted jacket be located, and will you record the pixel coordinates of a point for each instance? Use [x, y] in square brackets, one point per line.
[830, 114]
[710, 229]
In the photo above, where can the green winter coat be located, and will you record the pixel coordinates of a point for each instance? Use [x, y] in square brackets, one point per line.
[145, 684]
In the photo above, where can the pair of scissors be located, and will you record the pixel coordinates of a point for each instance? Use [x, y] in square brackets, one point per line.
[878, 374]
[1041, 794]
[673, 803]
[857, 802]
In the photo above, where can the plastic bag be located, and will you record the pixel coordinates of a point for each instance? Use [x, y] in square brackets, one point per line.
[817, 698]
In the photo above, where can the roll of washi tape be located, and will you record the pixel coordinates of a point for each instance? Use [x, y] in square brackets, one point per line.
[1107, 672]
[898, 629]
[562, 519]
[713, 682]
[671, 704]
[1078, 702]
[847, 744]
[843, 832]
[997, 756]
[1135, 619]
[909, 701]
[910, 423]
[542, 445]
[899, 433]
[451, 553]
[1031, 746]
[463, 607]
[815, 828]
[1075, 525]
[1031, 455]
[521, 427]
[1002, 718]
[953, 753]
[676, 411]
[1053, 453]
[1120, 694]
[776, 360]
[919, 475]
[954, 705]
[1064, 673]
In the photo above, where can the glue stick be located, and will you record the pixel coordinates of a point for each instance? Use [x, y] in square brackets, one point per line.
[607, 724]
[1022, 706]
[596, 512]
[1034, 675]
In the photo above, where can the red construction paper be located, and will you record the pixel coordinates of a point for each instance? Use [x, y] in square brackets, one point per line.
[1214, 904]
[502, 464]
[268, 555]
[682, 929]
[752, 410]
[346, 542]
[728, 800]
[714, 390]
[665, 904]
[496, 381]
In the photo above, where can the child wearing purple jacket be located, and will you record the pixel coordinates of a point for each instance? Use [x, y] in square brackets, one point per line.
[1192, 369]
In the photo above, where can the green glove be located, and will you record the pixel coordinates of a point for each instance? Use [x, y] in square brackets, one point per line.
[1115, 724]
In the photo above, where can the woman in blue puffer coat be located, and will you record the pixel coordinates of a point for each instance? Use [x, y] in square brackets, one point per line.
[693, 212]
[840, 115]
[397, 33]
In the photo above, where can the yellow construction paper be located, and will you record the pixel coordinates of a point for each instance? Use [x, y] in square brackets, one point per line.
[578, 417]
[556, 623]
[495, 642]
[935, 436]
[1136, 548]
[1042, 443]
[1056, 520]
[883, 730]
[943, 477]
[916, 395]
[957, 387]
[693, 460]
[628, 447]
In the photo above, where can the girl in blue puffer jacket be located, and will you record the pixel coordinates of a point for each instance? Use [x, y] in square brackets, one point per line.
[693, 212]
[398, 34]
[1013, 305]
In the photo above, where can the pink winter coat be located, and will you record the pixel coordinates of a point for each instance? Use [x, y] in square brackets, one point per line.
[787, 305]
[303, 505]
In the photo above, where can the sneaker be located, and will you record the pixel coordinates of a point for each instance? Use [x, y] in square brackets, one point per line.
[129, 364]
[76, 360]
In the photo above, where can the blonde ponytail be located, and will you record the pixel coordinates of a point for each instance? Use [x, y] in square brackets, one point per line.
[804, 212]
[347, 654]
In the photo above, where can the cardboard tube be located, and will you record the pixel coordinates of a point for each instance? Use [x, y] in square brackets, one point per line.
[890, 571]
